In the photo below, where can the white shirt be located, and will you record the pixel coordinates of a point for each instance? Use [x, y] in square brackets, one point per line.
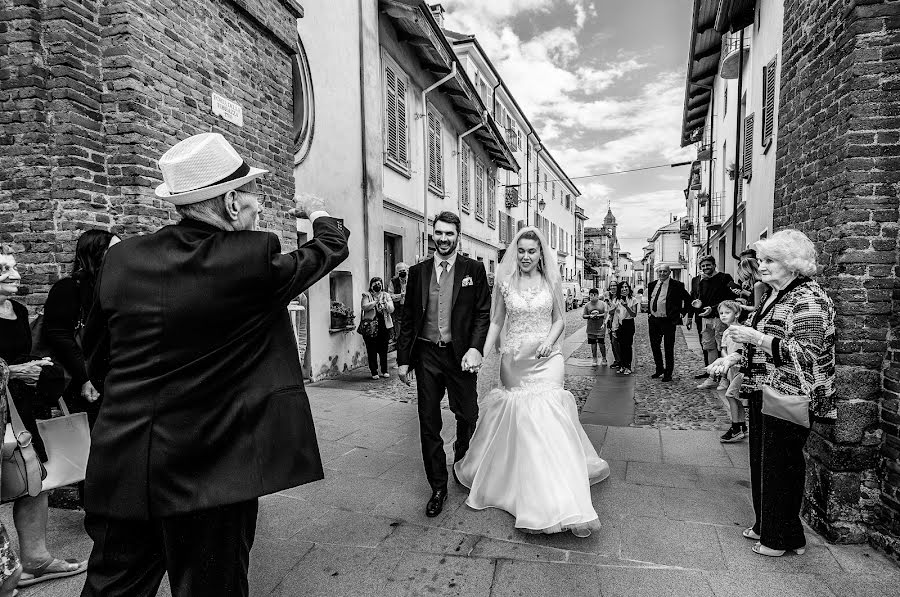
[437, 264]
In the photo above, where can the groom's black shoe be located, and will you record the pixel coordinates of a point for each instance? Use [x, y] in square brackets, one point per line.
[667, 378]
[658, 374]
[436, 503]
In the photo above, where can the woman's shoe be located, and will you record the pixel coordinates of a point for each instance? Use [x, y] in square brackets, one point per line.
[749, 534]
[385, 375]
[775, 553]
[626, 371]
[375, 377]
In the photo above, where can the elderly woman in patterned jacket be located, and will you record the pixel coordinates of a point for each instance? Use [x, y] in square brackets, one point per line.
[790, 348]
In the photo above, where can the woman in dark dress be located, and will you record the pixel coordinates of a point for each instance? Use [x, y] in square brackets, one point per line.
[33, 383]
[67, 306]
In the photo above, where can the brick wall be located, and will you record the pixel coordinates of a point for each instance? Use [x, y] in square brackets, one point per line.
[92, 92]
[838, 177]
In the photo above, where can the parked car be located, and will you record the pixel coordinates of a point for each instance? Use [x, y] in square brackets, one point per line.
[584, 294]
[572, 295]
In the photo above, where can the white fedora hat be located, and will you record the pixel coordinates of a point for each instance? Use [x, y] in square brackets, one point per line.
[202, 167]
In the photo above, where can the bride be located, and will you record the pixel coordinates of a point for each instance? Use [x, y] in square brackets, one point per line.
[529, 454]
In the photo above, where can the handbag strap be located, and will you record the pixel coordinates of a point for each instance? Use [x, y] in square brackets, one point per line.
[63, 407]
[15, 420]
[804, 387]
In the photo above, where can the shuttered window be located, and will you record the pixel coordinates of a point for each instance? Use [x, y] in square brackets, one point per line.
[492, 201]
[464, 177]
[747, 168]
[396, 125]
[768, 116]
[552, 236]
[435, 155]
[479, 190]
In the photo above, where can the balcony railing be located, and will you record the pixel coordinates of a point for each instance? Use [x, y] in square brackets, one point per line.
[716, 211]
[704, 147]
[731, 55]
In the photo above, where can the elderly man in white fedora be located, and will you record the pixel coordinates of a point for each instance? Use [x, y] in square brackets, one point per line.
[204, 406]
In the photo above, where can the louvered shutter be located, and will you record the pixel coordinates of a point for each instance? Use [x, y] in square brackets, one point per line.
[464, 178]
[768, 125]
[479, 190]
[391, 125]
[435, 153]
[747, 169]
[402, 125]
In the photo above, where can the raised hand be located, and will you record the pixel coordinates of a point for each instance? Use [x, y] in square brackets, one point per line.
[406, 375]
[306, 204]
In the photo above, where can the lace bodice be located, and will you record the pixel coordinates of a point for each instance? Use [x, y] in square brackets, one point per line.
[529, 314]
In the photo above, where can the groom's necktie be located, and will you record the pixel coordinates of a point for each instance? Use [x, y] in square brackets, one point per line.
[443, 272]
[656, 297]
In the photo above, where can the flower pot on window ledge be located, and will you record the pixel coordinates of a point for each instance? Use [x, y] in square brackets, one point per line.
[342, 317]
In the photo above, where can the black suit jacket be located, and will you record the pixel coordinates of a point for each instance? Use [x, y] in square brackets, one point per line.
[470, 316]
[204, 403]
[678, 301]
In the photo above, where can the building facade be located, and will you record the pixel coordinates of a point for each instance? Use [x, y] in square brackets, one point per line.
[815, 151]
[601, 252]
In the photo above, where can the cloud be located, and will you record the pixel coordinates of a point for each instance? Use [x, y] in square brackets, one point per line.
[638, 215]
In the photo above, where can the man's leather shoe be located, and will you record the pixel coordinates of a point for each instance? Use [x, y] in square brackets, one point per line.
[658, 374]
[667, 378]
[436, 503]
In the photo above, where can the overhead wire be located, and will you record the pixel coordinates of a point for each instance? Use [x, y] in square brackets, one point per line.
[605, 173]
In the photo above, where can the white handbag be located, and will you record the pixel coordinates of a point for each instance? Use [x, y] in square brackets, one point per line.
[67, 440]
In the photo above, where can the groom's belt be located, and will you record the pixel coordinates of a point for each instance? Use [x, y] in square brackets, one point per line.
[439, 343]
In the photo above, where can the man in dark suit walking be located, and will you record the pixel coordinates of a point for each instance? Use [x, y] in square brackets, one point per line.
[669, 301]
[446, 317]
[204, 406]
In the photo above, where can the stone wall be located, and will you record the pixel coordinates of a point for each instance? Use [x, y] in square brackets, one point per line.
[93, 91]
[837, 179]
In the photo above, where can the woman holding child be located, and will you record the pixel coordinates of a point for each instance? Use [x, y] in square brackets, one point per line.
[788, 350]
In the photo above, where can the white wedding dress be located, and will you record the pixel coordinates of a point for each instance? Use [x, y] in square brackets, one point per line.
[529, 454]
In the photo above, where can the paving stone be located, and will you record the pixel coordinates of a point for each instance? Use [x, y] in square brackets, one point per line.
[652, 582]
[627, 500]
[605, 542]
[862, 559]
[510, 550]
[739, 454]
[343, 490]
[282, 517]
[373, 438]
[631, 444]
[365, 463]
[714, 507]
[696, 448]
[671, 543]
[490, 522]
[527, 579]
[271, 560]
[436, 540]
[329, 571]
[863, 585]
[406, 500]
[425, 574]
[746, 584]
[724, 479]
[662, 475]
[334, 430]
[329, 450]
[339, 527]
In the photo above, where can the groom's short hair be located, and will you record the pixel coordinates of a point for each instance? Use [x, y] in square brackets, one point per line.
[448, 217]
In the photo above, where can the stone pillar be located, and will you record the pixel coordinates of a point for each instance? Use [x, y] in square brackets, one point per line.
[837, 180]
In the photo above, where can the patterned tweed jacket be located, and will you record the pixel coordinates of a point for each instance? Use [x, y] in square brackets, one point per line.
[801, 320]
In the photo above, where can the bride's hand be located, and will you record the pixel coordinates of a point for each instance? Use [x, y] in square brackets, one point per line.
[543, 350]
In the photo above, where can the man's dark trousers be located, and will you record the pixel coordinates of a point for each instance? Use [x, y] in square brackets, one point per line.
[438, 369]
[662, 329]
[206, 553]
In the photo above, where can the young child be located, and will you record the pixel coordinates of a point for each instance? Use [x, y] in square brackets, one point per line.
[729, 312]
[595, 311]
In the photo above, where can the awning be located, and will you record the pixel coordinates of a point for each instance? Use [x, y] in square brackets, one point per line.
[734, 15]
[416, 27]
[703, 63]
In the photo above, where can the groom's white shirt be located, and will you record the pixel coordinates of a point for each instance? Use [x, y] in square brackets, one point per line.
[437, 263]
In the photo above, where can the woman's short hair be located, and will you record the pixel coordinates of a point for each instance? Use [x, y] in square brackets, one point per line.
[791, 248]
[733, 306]
[375, 279]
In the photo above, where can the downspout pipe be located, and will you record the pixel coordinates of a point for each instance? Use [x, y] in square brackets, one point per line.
[527, 175]
[459, 149]
[537, 157]
[426, 152]
[738, 175]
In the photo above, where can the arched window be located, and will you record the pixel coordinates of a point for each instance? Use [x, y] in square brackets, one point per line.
[304, 103]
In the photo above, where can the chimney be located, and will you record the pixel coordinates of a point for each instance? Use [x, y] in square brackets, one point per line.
[437, 11]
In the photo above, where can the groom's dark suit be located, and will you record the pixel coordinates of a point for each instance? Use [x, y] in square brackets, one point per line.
[437, 366]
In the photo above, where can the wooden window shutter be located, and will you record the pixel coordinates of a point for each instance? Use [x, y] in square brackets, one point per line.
[747, 169]
[390, 133]
[464, 178]
[435, 153]
[402, 124]
[768, 125]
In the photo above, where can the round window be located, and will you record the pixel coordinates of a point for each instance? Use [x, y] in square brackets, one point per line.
[304, 103]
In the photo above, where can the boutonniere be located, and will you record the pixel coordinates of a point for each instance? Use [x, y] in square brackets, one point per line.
[467, 281]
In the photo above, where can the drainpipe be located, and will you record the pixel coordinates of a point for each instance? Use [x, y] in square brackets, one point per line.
[527, 176]
[737, 148]
[459, 150]
[365, 172]
[425, 93]
[527, 203]
[712, 155]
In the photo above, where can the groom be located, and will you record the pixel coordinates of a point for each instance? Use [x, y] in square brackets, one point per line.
[445, 320]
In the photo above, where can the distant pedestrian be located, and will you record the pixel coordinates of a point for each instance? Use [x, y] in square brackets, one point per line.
[596, 312]
[376, 307]
[204, 408]
[669, 302]
[789, 349]
[698, 321]
[713, 289]
[730, 381]
[611, 294]
[625, 307]
[398, 294]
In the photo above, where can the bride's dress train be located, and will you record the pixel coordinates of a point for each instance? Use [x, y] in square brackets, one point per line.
[529, 454]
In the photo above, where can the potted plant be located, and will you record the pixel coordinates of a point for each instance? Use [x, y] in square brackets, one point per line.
[703, 197]
[730, 170]
[341, 316]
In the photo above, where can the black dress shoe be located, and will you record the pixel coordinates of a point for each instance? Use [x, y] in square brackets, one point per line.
[703, 375]
[658, 374]
[667, 378]
[436, 503]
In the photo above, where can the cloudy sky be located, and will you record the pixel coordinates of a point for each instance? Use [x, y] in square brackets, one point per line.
[602, 81]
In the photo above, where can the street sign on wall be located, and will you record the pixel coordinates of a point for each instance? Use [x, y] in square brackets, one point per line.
[227, 109]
